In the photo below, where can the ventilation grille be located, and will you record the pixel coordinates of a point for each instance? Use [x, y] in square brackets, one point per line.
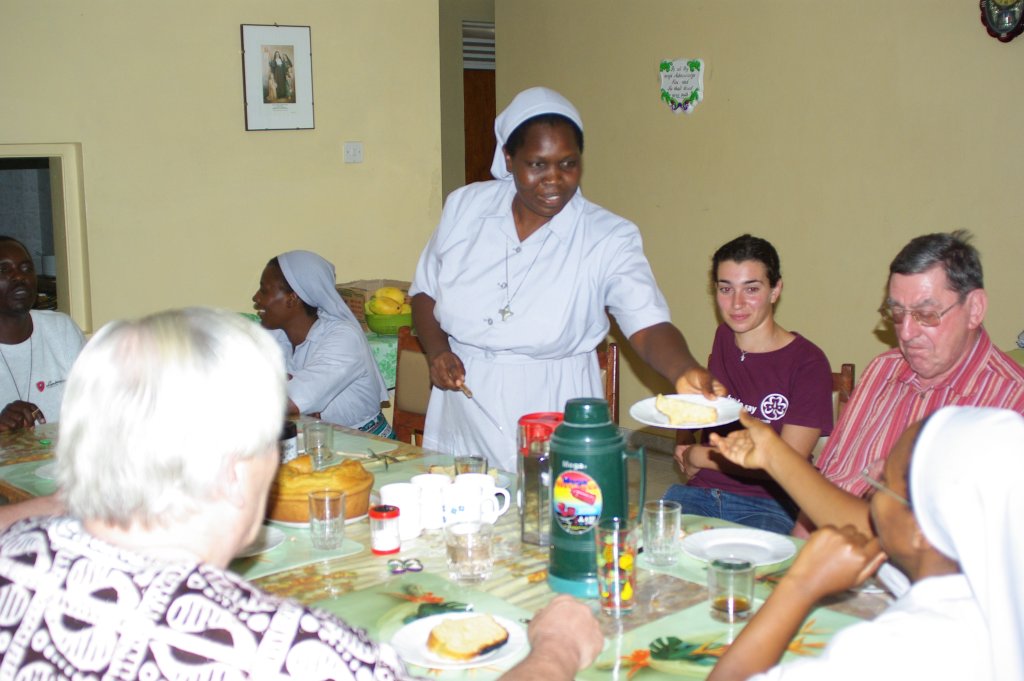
[478, 45]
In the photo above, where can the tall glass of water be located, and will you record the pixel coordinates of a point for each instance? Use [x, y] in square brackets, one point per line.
[327, 518]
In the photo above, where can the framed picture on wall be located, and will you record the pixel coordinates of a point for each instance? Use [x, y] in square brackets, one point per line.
[277, 70]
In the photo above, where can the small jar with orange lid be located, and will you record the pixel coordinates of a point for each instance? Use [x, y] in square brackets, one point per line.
[384, 539]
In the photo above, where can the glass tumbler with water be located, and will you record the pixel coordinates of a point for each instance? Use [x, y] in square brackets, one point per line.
[327, 519]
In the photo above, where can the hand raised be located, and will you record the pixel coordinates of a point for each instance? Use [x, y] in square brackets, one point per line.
[835, 560]
[749, 447]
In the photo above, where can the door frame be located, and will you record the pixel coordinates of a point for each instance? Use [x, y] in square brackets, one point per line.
[69, 234]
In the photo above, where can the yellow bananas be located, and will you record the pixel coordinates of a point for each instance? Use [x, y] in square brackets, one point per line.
[391, 293]
[384, 306]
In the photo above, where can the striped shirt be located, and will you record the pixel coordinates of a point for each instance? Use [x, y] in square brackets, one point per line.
[889, 398]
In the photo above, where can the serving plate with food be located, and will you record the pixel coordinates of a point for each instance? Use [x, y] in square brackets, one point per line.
[288, 502]
[502, 479]
[459, 640]
[686, 412]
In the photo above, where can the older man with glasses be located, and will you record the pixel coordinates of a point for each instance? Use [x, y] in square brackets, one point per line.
[936, 303]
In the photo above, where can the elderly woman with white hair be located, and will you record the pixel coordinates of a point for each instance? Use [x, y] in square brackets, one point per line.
[954, 527]
[331, 371]
[132, 584]
[511, 292]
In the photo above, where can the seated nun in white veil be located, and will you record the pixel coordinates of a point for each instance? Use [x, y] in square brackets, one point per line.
[950, 515]
[331, 372]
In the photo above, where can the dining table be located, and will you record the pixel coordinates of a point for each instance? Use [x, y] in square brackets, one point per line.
[669, 633]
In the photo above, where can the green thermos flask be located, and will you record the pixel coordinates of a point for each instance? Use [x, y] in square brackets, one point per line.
[588, 483]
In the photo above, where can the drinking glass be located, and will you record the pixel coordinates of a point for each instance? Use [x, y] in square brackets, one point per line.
[616, 565]
[468, 547]
[319, 441]
[662, 522]
[731, 589]
[470, 464]
[327, 518]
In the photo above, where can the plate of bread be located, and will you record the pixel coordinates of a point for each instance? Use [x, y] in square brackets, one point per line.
[686, 411]
[502, 479]
[459, 640]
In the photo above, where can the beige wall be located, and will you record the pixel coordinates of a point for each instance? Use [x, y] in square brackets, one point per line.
[836, 130]
[183, 205]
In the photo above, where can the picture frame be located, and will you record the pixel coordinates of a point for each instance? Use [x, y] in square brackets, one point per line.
[277, 73]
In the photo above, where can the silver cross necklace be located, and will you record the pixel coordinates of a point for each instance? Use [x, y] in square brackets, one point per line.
[28, 384]
[506, 311]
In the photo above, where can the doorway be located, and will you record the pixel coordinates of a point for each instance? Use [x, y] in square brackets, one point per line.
[51, 175]
[26, 214]
[478, 98]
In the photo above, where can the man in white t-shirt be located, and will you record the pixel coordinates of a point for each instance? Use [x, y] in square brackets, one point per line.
[37, 347]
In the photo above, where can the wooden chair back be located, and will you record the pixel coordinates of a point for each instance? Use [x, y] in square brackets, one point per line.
[412, 388]
[842, 386]
[608, 361]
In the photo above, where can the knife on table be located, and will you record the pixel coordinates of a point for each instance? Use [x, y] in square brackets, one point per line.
[469, 395]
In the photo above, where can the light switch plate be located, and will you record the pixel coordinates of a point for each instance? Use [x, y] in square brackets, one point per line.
[353, 152]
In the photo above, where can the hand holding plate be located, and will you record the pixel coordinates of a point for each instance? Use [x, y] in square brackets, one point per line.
[698, 380]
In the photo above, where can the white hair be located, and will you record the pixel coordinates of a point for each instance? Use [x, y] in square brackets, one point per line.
[156, 409]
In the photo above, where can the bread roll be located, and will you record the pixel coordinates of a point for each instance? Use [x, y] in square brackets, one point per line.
[681, 411]
[466, 637]
[289, 499]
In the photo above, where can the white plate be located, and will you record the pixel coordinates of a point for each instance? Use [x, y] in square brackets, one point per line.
[505, 480]
[267, 539]
[411, 643]
[644, 411]
[48, 471]
[288, 523]
[758, 546]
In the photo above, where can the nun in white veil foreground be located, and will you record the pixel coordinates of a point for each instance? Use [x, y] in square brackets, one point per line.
[331, 371]
[951, 516]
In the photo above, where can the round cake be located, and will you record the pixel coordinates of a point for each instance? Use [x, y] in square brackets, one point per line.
[289, 501]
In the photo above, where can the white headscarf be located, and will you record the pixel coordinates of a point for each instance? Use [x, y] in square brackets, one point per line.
[313, 279]
[967, 488]
[527, 104]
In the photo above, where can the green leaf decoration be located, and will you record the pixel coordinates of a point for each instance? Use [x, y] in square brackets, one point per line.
[672, 648]
[428, 609]
[665, 66]
[693, 65]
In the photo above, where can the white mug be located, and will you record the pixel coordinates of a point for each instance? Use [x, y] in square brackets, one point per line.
[406, 496]
[432, 490]
[486, 484]
[469, 503]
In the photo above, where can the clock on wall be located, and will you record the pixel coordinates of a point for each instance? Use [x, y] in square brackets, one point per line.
[1003, 19]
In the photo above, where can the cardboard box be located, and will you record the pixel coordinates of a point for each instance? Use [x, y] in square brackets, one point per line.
[357, 293]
